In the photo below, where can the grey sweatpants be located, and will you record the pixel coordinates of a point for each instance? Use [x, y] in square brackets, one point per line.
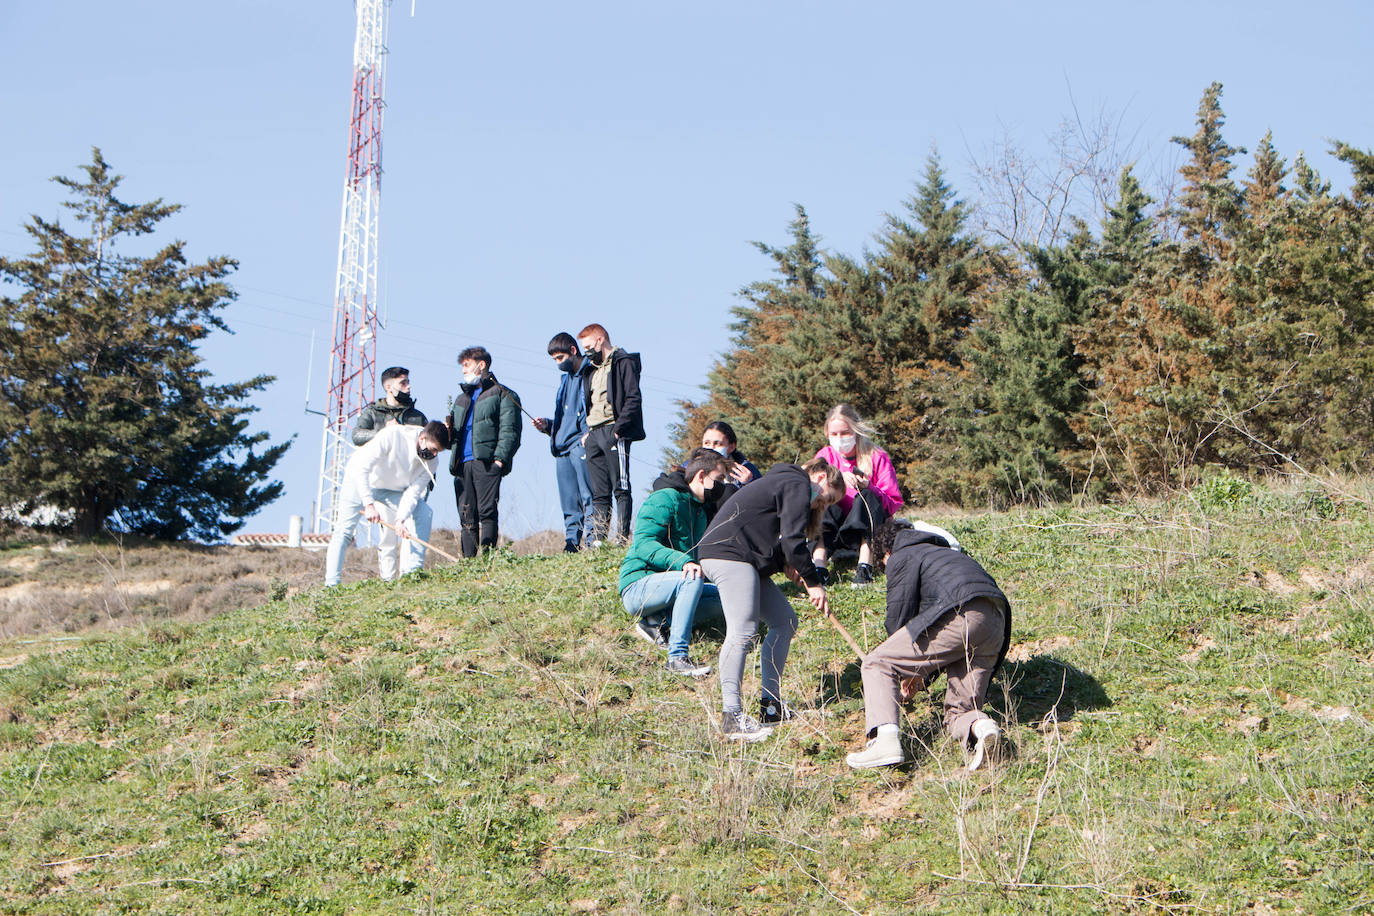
[747, 596]
[963, 644]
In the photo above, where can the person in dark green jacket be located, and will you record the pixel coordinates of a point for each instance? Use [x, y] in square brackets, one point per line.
[486, 435]
[660, 580]
[397, 407]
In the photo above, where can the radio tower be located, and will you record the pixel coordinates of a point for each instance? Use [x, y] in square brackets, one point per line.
[352, 361]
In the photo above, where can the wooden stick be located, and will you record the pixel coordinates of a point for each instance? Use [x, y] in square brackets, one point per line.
[845, 633]
[426, 544]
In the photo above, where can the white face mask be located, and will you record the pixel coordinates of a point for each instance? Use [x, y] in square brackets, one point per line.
[472, 379]
[844, 444]
[723, 450]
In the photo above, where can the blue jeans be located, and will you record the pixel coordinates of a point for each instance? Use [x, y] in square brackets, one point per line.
[412, 555]
[574, 493]
[686, 599]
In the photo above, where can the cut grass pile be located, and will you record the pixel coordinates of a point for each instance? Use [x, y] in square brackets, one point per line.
[1188, 702]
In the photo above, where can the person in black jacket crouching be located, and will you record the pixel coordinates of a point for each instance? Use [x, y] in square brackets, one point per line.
[763, 530]
[944, 613]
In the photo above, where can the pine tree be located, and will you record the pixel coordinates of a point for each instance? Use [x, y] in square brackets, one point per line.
[754, 384]
[1209, 208]
[933, 275]
[107, 413]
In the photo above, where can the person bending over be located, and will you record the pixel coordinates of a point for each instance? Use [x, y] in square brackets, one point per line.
[944, 613]
[386, 480]
[763, 530]
[660, 579]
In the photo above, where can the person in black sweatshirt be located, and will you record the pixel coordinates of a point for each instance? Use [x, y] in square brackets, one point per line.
[763, 530]
[944, 613]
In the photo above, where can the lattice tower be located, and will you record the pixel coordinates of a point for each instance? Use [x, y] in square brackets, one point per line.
[353, 369]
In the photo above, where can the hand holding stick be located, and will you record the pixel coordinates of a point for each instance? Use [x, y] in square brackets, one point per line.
[406, 535]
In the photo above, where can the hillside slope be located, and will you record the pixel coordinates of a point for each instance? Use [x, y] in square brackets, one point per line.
[1189, 697]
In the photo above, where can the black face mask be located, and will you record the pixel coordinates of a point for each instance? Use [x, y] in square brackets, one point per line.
[426, 453]
[596, 357]
[404, 399]
[714, 492]
[565, 365]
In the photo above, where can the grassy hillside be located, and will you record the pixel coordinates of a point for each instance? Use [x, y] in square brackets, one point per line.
[1189, 701]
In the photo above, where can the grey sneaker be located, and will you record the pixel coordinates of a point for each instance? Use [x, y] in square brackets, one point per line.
[738, 727]
[883, 751]
[651, 633]
[772, 711]
[986, 734]
[686, 667]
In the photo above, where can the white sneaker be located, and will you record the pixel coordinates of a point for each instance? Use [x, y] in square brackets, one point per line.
[985, 736]
[883, 751]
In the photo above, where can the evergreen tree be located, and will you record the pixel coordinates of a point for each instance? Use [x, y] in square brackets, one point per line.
[932, 278]
[1209, 208]
[106, 412]
[754, 385]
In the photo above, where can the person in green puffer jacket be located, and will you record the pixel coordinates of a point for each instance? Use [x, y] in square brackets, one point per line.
[486, 435]
[397, 407]
[661, 584]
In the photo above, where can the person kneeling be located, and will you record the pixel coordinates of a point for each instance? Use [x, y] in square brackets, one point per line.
[944, 613]
[660, 576]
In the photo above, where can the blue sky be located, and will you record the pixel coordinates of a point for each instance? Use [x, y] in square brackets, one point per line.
[547, 165]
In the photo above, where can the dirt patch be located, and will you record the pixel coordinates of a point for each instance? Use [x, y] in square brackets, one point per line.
[1025, 651]
[25, 562]
[882, 803]
[1271, 581]
[1204, 644]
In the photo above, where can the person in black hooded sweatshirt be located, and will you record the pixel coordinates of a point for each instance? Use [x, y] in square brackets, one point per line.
[763, 530]
[944, 613]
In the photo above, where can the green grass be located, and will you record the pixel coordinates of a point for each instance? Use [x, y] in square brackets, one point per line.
[1189, 706]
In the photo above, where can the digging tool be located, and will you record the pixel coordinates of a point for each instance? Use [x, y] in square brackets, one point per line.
[425, 544]
[845, 633]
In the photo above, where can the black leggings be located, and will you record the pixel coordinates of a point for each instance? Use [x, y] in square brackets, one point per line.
[839, 529]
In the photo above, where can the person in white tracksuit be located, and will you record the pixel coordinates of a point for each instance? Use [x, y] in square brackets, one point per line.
[386, 480]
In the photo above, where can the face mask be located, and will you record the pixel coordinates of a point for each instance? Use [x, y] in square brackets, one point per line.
[471, 379]
[843, 444]
[714, 492]
[425, 453]
[596, 357]
[565, 365]
[724, 451]
[404, 399]
[815, 493]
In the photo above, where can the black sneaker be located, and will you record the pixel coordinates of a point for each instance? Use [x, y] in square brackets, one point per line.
[863, 575]
[738, 727]
[686, 667]
[823, 572]
[651, 632]
[773, 712]
[570, 547]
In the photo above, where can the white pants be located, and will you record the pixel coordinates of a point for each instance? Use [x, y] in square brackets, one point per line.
[389, 550]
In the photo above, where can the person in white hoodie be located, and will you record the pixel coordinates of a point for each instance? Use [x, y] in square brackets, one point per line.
[386, 479]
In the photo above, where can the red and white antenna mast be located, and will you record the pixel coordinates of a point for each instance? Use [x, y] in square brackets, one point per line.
[353, 360]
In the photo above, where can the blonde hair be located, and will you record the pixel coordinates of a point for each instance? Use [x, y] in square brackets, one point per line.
[863, 432]
[834, 480]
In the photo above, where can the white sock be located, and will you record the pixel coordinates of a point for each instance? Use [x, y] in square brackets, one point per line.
[889, 730]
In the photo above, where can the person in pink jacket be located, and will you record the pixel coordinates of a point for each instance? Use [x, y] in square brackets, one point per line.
[871, 491]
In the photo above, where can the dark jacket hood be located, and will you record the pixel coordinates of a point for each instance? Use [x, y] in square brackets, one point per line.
[675, 480]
